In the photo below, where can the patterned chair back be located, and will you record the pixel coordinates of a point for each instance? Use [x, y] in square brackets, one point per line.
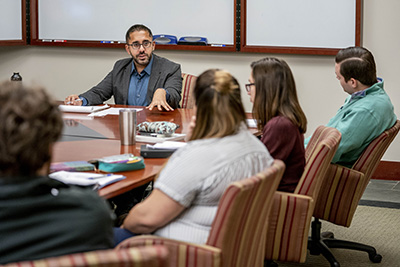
[290, 217]
[319, 153]
[238, 232]
[344, 187]
[188, 83]
[152, 256]
[239, 227]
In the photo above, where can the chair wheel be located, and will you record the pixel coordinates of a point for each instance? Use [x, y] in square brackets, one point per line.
[269, 263]
[377, 258]
[327, 234]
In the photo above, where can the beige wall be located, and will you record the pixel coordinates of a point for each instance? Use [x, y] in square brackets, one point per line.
[73, 70]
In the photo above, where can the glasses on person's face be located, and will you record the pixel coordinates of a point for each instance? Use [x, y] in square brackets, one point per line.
[136, 46]
[248, 86]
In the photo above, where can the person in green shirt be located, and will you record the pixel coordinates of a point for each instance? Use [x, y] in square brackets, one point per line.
[366, 112]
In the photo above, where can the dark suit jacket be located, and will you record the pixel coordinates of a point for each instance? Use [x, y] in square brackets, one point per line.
[164, 74]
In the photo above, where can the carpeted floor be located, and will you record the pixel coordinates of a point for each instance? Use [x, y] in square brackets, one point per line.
[375, 226]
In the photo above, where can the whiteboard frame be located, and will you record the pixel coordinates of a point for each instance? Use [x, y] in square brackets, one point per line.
[35, 40]
[296, 49]
[23, 39]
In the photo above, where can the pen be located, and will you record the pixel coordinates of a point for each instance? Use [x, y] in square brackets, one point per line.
[133, 161]
[107, 42]
[102, 176]
[130, 160]
[218, 45]
[60, 41]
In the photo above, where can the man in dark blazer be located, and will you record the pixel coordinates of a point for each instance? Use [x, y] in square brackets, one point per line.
[145, 79]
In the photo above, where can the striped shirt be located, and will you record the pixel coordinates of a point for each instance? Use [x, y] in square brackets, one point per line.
[197, 175]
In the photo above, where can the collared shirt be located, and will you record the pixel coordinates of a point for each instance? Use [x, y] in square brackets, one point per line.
[362, 93]
[138, 84]
[360, 121]
[358, 94]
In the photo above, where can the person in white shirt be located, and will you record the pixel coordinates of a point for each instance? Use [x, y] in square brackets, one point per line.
[221, 150]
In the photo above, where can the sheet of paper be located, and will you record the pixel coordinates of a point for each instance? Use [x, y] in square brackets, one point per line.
[86, 178]
[168, 145]
[82, 109]
[251, 123]
[110, 111]
[159, 138]
[75, 116]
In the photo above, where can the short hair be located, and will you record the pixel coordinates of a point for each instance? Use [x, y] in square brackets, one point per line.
[137, 28]
[276, 93]
[220, 111]
[30, 123]
[358, 63]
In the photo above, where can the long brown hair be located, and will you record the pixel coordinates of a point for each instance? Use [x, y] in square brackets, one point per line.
[276, 93]
[220, 110]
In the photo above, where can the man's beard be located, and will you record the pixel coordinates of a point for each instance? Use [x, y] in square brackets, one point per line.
[141, 62]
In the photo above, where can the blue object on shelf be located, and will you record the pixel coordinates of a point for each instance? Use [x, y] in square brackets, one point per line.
[192, 40]
[165, 39]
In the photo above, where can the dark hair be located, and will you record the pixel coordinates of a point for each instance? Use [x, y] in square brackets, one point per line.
[358, 63]
[137, 28]
[276, 93]
[30, 123]
[220, 111]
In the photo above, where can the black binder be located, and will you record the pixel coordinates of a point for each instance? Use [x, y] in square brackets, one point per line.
[148, 152]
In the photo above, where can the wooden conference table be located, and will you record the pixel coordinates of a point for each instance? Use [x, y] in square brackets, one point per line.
[87, 138]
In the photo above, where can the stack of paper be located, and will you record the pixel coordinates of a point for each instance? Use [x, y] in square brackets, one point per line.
[82, 109]
[86, 179]
[251, 123]
[110, 111]
[167, 145]
[159, 138]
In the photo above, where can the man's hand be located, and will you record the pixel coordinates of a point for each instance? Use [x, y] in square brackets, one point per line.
[160, 101]
[73, 100]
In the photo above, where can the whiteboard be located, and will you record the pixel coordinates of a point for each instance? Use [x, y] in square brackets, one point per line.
[301, 23]
[108, 20]
[10, 20]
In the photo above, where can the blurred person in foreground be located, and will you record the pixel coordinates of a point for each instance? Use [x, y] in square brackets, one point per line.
[41, 217]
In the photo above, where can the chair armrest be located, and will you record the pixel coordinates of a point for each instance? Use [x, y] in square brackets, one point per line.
[180, 253]
[288, 227]
[155, 256]
[340, 193]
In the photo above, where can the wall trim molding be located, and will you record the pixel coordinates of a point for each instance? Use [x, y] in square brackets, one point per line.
[387, 170]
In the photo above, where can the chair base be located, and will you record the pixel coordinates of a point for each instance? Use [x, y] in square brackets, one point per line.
[269, 263]
[318, 244]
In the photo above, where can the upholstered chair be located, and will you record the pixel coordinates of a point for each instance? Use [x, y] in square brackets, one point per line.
[150, 256]
[238, 232]
[188, 83]
[291, 214]
[340, 193]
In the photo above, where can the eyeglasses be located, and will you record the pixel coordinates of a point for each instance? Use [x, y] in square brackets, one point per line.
[136, 46]
[248, 86]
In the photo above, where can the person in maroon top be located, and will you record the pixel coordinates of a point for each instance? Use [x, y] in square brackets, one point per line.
[278, 115]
